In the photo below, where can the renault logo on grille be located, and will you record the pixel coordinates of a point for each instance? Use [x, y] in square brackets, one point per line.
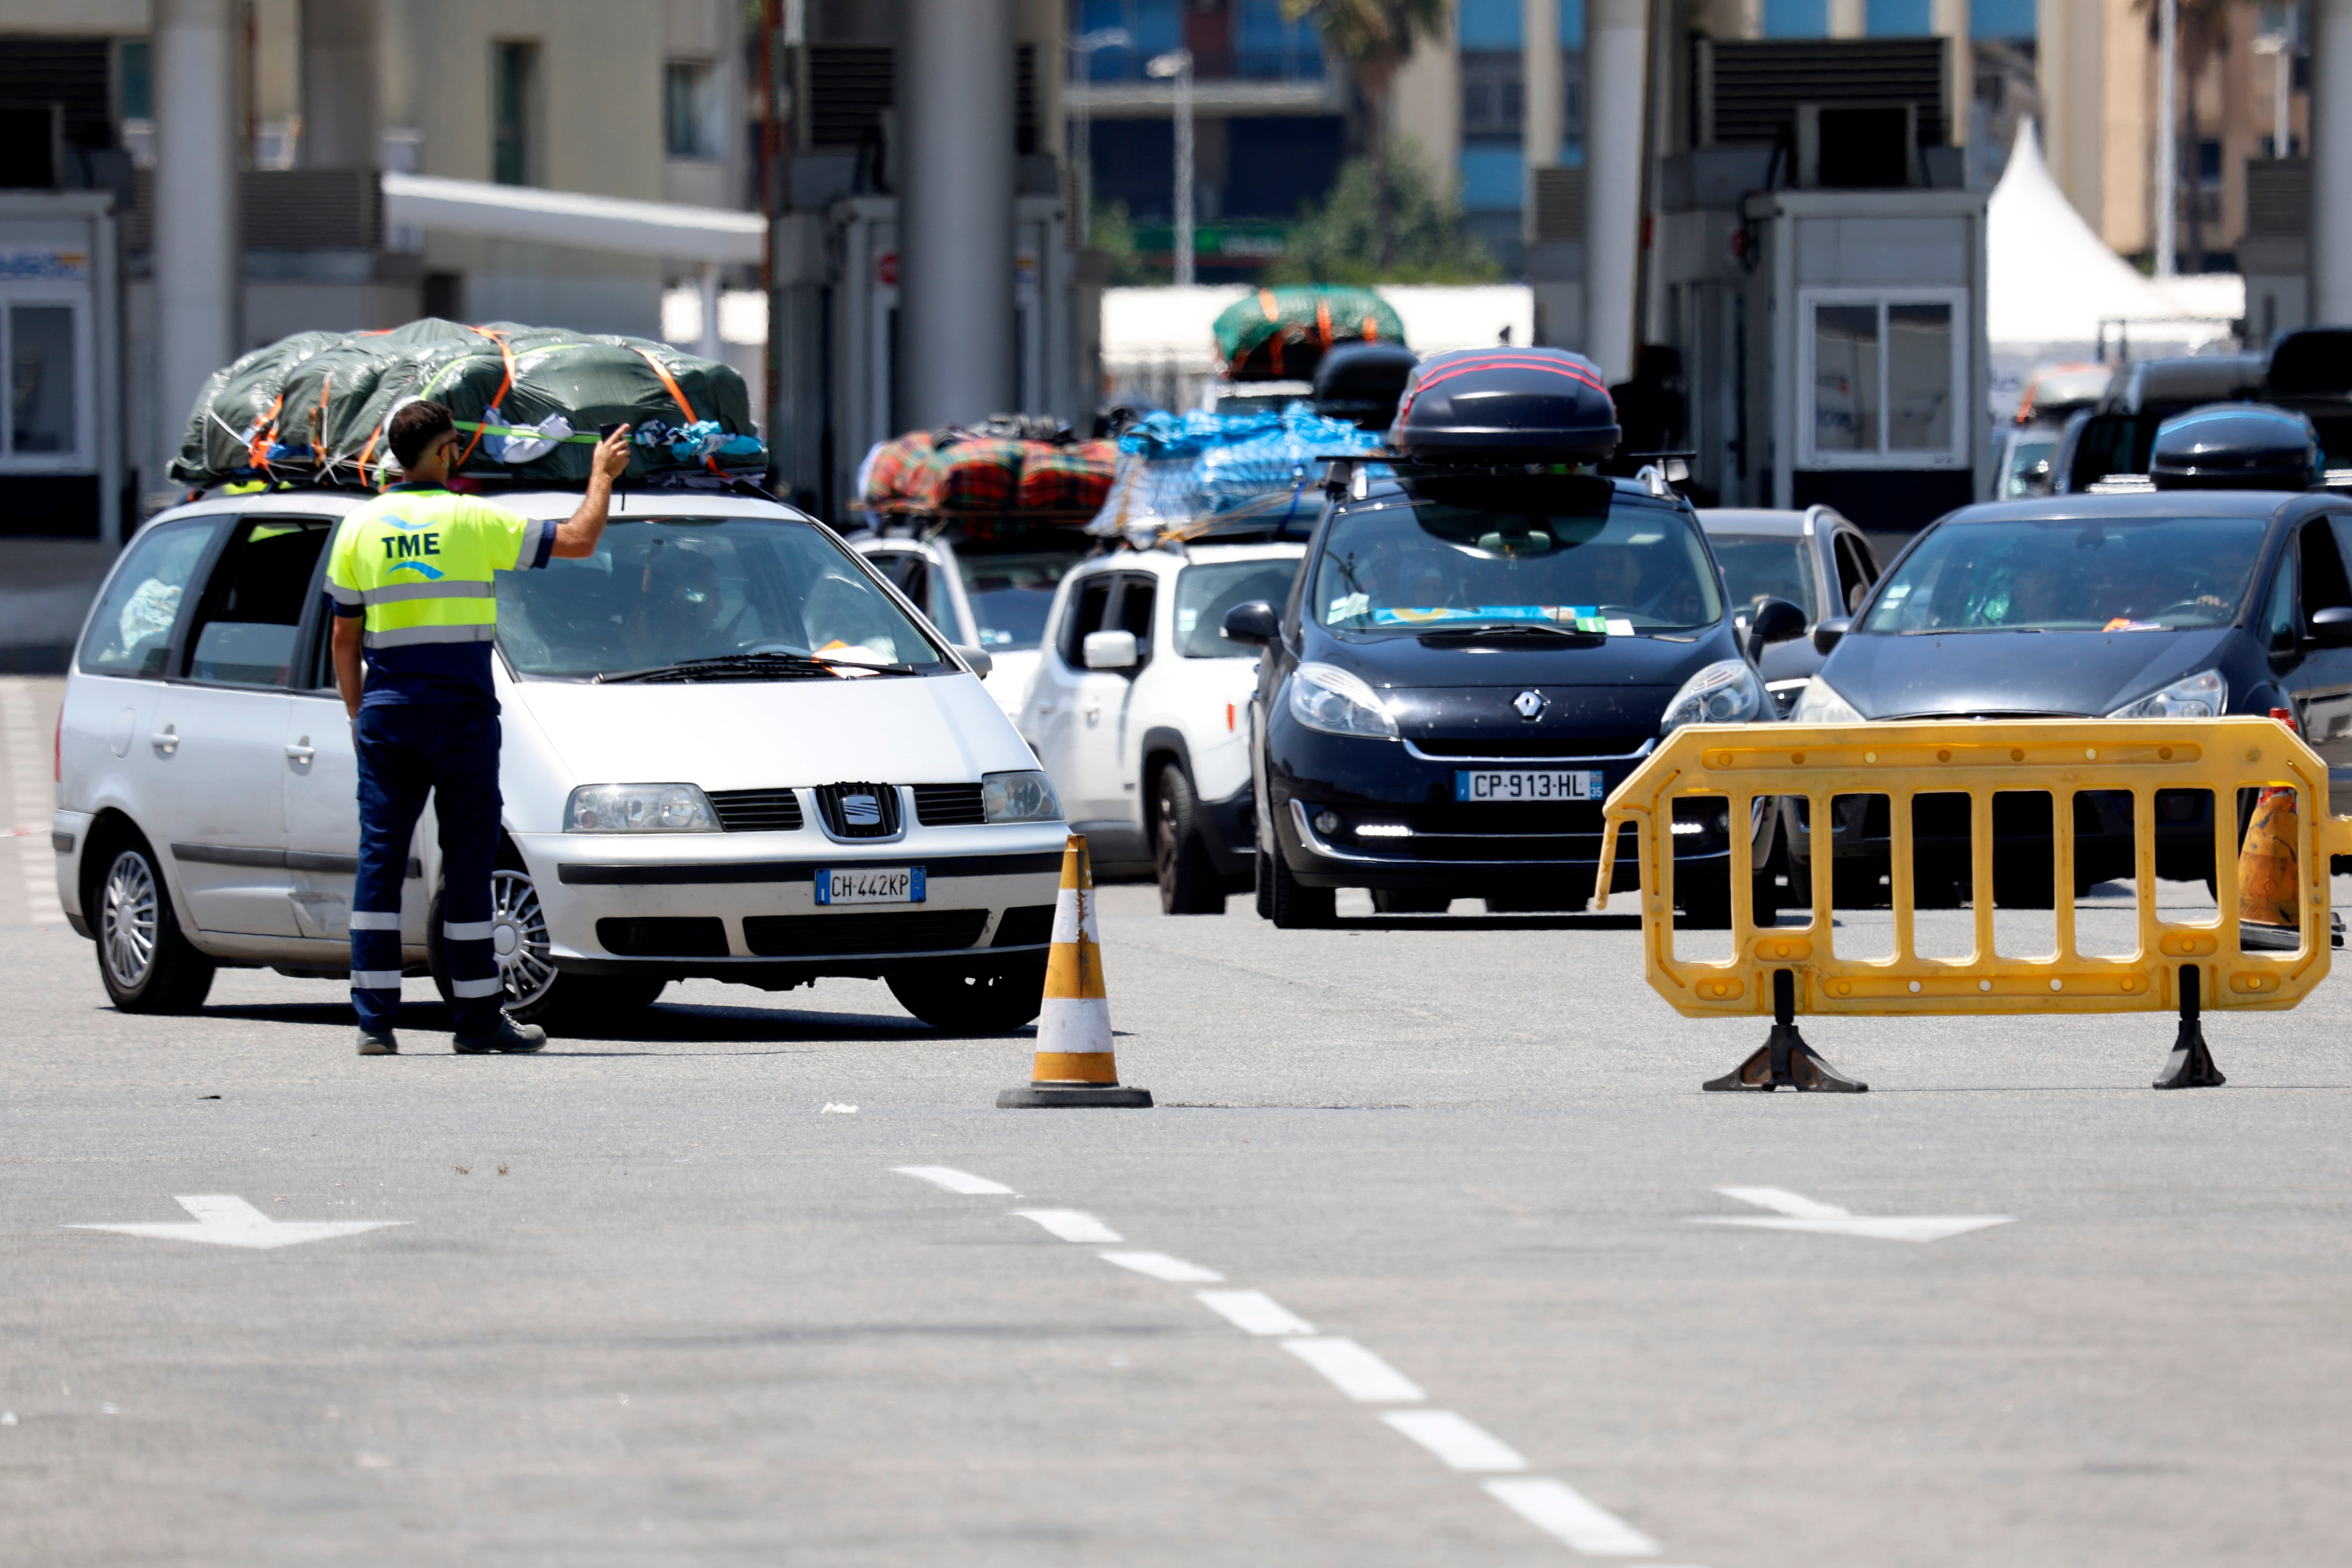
[1529, 704]
[861, 810]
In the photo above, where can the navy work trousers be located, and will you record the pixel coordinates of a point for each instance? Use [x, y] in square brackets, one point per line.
[406, 751]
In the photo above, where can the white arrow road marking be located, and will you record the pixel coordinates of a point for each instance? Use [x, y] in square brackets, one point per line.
[1794, 1211]
[226, 1220]
[1071, 1224]
[953, 1179]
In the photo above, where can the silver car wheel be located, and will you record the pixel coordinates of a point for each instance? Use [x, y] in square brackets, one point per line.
[127, 918]
[519, 938]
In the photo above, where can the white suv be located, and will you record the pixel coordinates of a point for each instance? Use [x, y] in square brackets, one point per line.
[730, 751]
[987, 593]
[1139, 711]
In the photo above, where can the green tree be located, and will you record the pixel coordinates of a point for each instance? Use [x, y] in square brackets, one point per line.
[1340, 241]
[1114, 236]
[1375, 37]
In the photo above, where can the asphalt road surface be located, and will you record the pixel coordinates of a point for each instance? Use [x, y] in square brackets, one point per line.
[649, 1300]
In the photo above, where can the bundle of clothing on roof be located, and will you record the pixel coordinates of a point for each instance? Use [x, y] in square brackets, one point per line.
[530, 400]
[1176, 468]
[1008, 463]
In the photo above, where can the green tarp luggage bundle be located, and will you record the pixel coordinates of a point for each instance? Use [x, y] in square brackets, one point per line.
[1274, 334]
[314, 406]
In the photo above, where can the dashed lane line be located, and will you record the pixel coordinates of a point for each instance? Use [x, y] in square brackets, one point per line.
[1553, 1506]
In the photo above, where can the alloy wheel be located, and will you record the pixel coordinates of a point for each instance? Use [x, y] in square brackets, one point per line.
[127, 918]
[519, 938]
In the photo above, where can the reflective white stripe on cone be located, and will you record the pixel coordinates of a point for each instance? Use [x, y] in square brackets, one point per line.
[1075, 1065]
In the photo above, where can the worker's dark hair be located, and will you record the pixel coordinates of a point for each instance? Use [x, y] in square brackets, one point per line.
[417, 427]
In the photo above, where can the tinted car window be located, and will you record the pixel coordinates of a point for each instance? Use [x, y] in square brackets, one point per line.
[2139, 574]
[1086, 614]
[252, 609]
[1757, 567]
[1012, 593]
[1558, 550]
[131, 630]
[661, 593]
[1204, 594]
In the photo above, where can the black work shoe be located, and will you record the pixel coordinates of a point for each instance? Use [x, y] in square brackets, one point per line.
[378, 1043]
[510, 1036]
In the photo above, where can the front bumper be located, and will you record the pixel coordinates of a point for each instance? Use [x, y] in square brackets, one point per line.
[1431, 841]
[743, 906]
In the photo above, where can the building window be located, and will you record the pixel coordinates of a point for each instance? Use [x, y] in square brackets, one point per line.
[43, 420]
[1796, 18]
[1494, 95]
[1885, 377]
[1494, 177]
[694, 112]
[1572, 105]
[1897, 19]
[514, 151]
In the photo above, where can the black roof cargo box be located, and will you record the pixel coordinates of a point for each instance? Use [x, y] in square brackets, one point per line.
[2235, 446]
[1505, 405]
[1361, 382]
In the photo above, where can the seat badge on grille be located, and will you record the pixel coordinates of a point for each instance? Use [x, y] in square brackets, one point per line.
[861, 810]
[1531, 705]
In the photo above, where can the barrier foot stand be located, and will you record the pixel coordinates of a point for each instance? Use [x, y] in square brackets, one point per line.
[1037, 1096]
[1784, 1060]
[2190, 1066]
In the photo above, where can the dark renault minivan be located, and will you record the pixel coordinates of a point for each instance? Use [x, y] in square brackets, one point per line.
[2174, 603]
[1477, 651]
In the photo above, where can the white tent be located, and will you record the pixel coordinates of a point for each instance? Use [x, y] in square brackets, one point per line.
[2050, 281]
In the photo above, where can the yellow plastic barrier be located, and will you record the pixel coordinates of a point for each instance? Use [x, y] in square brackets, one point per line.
[1784, 969]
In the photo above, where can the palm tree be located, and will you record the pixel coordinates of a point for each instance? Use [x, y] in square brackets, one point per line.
[1375, 37]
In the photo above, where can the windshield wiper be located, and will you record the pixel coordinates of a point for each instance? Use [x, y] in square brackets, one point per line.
[775, 664]
[1502, 629]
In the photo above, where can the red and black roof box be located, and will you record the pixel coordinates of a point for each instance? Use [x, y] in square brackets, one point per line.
[1507, 405]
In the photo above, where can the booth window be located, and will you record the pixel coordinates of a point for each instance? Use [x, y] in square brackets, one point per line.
[1885, 374]
[40, 421]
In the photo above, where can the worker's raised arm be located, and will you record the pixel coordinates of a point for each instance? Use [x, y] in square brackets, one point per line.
[577, 535]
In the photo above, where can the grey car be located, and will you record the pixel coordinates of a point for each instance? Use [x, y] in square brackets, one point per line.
[1814, 559]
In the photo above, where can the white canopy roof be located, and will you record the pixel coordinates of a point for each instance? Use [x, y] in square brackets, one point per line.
[572, 218]
[2051, 280]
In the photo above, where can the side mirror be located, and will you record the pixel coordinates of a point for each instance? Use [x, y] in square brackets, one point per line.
[1827, 633]
[978, 659]
[2332, 627]
[1110, 651]
[1775, 620]
[1254, 623]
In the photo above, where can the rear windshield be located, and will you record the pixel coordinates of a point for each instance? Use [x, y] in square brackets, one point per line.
[2139, 574]
[1757, 567]
[672, 591]
[1558, 549]
[1011, 590]
[1206, 594]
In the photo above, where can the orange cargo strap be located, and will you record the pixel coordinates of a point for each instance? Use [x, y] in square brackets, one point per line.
[669, 385]
[505, 385]
[257, 449]
[1323, 320]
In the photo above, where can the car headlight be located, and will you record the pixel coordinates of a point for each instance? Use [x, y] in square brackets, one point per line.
[1019, 798]
[1819, 703]
[1726, 692]
[639, 809]
[2200, 696]
[1327, 698]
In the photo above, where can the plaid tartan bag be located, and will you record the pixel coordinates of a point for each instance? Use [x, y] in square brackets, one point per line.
[1067, 478]
[981, 475]
[902, 472]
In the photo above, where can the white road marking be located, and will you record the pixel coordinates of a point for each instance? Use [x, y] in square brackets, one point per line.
[1559, 1510]
[1458, 1440]
[1355, 1371]
[1071, 1224]
[1794, 1211]
[225, 1220]
[1160, 1265]
[1254, 1312]
[32, 788]
[955, 1180]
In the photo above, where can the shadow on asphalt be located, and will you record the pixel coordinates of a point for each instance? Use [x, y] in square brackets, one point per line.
[1486, 923]
[685, 1023]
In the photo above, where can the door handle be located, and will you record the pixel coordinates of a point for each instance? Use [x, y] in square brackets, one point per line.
[303, 751]
[165, 740]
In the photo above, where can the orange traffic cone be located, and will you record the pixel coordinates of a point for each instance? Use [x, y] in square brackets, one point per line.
[1075, 1065]
[2268, 892]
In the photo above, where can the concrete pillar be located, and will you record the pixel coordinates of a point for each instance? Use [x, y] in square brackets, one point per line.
[1545, 98]
[1616, 73]
[2331, 163]
[197, 265]
[342, 85]
[957, 360]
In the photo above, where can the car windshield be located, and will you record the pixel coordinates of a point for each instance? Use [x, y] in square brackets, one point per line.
[2018, 476]
[1206, 593]
[2106, 574]
[676, 589]
[1557, 550]
[1010, 592]
[1757, 567]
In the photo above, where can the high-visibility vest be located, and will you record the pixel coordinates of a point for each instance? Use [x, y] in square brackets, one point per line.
[420, 563]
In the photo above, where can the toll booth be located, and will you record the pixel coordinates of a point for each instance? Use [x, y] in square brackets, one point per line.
[861, 263]
[1833, 341]
[61, 459]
